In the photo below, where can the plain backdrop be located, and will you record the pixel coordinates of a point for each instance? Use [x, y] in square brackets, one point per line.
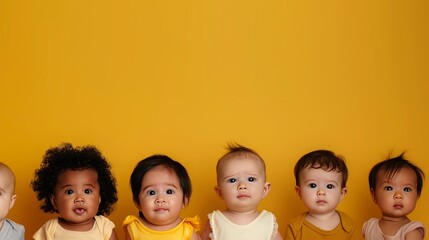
[185, 78]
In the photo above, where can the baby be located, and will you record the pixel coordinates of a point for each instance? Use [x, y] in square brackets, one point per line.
[8, 228]
[161, 189]
[76, 183]
[395, 186]
[241, 183]
[321, 178]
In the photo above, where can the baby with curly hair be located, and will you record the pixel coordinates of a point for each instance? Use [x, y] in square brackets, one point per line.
[77, 183]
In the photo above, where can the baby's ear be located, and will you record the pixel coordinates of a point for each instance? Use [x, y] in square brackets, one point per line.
[137, 205]
[267, 187]
[343, 192]
[185, 202]
[218, 192]
[52, 199]
[12, 201]
[373, 195]
[298, 191]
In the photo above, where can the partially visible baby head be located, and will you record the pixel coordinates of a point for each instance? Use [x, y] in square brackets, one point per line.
[7, 191]
[7, 178]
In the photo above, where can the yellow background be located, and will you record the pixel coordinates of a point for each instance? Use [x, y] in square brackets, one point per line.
[184, 78]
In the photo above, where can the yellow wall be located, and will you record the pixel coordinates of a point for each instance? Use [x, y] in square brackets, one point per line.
[184, 78]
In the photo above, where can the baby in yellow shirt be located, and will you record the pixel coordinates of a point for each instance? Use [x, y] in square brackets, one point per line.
[161, 188]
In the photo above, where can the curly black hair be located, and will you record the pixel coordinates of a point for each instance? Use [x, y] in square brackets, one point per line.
[64, 157]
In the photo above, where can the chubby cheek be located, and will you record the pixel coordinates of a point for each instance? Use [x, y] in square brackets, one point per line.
[412, 201]
[376, 196]
[144, 203]
[383, 201]
[305, 193]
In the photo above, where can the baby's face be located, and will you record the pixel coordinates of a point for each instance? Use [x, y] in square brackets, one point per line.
[320, 190]
[7, 196]
[77, 197]
[241, 183]
[396, 197]
[161, 198]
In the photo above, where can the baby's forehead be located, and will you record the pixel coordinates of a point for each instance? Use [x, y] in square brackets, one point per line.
[240, 156]
[391, 173]
[323, 170]
[326, 166]
[321, 167]
[7, 177]
[6, 170]
[256, 164]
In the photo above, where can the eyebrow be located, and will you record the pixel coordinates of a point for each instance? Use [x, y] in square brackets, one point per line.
[71, 185]
[314, 180]
[403, 183]
[168, 185]
[247, 175]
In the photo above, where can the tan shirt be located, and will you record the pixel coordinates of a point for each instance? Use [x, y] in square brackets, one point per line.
[300, 229]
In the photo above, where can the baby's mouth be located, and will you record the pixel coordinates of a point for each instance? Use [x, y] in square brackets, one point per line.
[161, 210]
[79, 210]
[242, 196]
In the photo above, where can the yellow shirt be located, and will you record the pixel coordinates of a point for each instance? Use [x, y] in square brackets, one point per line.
[183, 231]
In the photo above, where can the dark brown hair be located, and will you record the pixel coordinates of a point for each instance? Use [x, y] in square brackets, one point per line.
[324, 159]
[392, 166]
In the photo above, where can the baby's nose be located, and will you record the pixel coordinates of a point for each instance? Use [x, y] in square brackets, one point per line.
[160, 200]
[320, 193]
[242, 186]
[398, 195]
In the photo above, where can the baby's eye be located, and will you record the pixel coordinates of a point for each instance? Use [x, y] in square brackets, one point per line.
[88, 191]
[312, 185]
[407, 189]
[68, 191]
[232, 180]
[151, 192]
[251, 179]
[330, 186]
[170, 191]
[388, 188]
